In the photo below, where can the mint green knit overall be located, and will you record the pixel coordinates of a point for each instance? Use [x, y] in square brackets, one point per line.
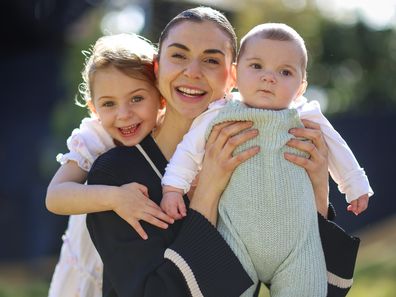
[267, 213]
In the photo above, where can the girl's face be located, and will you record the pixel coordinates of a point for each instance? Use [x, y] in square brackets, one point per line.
[127, 107]
[195, 67]
[270, 74]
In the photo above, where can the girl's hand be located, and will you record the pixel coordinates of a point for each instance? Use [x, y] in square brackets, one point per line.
[131, 202]
[317, 165]
[219, 164]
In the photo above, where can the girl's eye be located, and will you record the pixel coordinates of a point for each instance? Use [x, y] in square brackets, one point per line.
[108, 104]
[285, 72]
[255, 66]
[136, 99]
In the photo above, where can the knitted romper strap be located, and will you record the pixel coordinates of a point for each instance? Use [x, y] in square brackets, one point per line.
[139, 147]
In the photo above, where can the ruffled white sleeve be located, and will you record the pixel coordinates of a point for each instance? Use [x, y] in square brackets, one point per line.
[343, 166]
[86, 143]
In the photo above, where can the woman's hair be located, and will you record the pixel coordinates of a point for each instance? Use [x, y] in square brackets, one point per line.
[199, 15]
[279, 32]
[129, 53]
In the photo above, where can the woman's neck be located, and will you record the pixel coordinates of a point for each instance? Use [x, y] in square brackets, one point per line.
[170, 132]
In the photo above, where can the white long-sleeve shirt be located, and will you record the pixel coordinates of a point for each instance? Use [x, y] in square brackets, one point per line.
[343, 166]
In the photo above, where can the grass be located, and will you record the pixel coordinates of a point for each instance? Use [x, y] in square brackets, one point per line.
[375, 273]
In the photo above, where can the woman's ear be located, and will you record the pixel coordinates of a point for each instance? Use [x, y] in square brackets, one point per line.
[162, 102]
[232, 78]
[155, 64]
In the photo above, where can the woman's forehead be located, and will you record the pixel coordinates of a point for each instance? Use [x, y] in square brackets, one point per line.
[202, 36]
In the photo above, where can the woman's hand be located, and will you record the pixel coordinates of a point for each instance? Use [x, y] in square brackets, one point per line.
[132, 203]
[219, 164]
[317, 165]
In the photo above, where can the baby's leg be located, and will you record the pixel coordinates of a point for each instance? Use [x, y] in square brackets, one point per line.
[303, 274]
[226, 229]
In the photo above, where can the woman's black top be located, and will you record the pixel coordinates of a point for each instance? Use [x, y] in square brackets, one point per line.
[190, 258]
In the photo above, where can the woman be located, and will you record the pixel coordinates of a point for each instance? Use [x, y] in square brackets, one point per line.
[190, 257]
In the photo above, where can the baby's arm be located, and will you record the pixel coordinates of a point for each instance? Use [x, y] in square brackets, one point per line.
[343, 166]
[172, 202]
[187, 159]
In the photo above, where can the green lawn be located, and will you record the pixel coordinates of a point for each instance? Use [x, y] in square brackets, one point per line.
[375, 273]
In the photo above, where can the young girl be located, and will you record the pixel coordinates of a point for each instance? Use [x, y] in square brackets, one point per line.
[125, 105]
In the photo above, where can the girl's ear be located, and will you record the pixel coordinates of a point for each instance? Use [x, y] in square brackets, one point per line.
[92, 108]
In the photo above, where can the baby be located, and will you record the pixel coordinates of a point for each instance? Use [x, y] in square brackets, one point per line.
[267, 212]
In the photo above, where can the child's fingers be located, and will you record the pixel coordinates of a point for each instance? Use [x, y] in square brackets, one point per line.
[182, 208]
[352, 206]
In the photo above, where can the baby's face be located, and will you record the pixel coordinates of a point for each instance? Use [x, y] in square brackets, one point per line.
[270, 73]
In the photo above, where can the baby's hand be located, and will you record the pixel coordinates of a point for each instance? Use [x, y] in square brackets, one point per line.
[172, 204]
[359, 205]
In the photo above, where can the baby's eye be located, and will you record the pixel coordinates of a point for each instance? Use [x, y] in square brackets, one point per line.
[255, 66]
[136, 99]
[285, 72]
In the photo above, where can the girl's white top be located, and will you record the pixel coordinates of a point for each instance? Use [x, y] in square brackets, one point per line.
[79, 269]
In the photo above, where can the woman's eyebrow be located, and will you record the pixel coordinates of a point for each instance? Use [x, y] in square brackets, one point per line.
[207, 51]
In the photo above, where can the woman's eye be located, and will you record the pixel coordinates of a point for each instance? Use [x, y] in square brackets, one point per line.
[212, 61]
[177, 56]
[255, 66]
[285, 72]
[136, 99]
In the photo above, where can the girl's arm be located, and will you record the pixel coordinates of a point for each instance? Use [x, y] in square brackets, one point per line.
[67, 195]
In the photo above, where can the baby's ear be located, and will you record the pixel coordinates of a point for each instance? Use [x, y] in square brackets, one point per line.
[303, 88]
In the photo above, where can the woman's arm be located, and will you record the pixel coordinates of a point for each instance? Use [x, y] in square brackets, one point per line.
[340, 249]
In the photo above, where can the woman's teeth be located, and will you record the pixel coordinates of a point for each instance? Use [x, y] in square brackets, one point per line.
[191, 92]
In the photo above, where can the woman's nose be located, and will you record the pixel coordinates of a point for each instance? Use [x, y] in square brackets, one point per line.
[193, 70]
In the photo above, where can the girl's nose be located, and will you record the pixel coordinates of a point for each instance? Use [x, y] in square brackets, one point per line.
[124, 112]
[193, 70]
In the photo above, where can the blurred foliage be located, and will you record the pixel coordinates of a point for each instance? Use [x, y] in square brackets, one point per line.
[353, 64]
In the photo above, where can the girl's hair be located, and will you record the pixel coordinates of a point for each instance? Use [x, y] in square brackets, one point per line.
[129, 53]
[199, 15]
[279, 32]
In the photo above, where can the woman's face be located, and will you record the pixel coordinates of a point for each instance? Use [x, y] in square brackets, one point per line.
[195, 67]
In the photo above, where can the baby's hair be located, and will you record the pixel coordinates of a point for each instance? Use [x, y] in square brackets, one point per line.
[129, 53]
[279, 32]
